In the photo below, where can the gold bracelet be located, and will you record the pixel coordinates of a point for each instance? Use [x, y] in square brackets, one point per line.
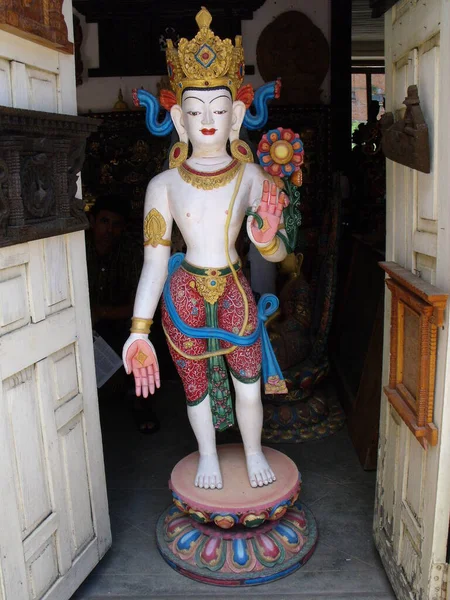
[139, 325]
[271, 248]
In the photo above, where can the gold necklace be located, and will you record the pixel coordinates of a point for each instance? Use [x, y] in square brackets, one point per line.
[209, 181]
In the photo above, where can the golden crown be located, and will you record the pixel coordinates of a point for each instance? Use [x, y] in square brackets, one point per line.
[205, 61]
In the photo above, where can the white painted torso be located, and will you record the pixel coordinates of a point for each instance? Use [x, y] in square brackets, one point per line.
[201, 215]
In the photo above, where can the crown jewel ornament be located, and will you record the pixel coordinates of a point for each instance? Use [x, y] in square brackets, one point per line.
[206, 61]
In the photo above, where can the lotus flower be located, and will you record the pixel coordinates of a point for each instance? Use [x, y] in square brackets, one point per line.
[280, 152]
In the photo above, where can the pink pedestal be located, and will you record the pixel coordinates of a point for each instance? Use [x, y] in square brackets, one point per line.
[238, 535]
[237, 503]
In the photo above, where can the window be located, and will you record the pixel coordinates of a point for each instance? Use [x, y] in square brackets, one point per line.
[367, 87]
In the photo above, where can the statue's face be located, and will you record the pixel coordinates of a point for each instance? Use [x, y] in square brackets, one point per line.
[207, 117]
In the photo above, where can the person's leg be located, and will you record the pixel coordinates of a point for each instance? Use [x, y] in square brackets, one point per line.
[144, 416]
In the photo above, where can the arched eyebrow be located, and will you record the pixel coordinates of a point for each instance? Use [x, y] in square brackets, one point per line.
[221, 96]
[194, 98]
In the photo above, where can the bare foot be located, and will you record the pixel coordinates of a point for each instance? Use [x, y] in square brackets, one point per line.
[259, 471]
[208, 472]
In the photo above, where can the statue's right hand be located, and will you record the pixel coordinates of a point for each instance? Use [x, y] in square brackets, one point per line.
[139, 358]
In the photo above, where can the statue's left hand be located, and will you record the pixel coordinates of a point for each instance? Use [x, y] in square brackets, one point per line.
[270, 211]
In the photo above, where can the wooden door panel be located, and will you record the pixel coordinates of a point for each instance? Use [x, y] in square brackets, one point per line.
[428, 77]
[413, 496]
[426, 264]
[64, 375]
[30, 469]
[57, 494]
[25, 86]
[42, 90]
[19, 85]
[14, 307]
[56, 272]
[404, 74]
[76, 483]
[5, 85]
[42, 569]
[390, 464]
[413, 491]
[409, 557]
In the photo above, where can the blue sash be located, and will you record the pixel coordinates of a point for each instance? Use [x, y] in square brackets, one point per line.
[267, 305]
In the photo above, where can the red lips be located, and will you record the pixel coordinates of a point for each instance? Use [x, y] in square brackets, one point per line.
[208, 131]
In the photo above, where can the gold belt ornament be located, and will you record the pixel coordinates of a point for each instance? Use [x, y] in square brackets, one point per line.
[210, 286]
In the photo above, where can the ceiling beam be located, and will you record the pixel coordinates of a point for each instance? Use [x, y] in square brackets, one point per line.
[100, 10]
[379, 7]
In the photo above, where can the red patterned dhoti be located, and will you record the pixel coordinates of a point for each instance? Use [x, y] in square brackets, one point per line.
[244, 362]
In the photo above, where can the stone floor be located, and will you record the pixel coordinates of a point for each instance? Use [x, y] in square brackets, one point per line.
[336, 489]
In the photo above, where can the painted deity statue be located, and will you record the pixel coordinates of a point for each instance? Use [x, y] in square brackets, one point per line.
[210, 318]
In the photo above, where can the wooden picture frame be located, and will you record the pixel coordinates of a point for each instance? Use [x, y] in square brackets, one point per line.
[417, 310]
[40, 21]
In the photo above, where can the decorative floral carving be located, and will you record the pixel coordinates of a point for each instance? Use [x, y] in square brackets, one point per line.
[247, 517]
[37, 186]
[40, 157]
[233, 557]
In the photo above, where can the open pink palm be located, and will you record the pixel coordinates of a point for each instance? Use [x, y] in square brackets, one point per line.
[142, 362]
[270, 211]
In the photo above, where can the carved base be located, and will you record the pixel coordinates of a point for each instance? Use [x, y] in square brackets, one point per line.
[237, 535]
[238, 557]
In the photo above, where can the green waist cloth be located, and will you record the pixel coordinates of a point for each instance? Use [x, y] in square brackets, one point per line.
[209, 271]
[218, 381]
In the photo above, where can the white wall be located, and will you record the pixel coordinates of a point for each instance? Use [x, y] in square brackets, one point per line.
[100, 93]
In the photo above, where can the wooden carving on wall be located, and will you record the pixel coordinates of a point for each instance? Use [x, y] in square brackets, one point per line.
[406, 141]
[293, 48]
[40, 21]
[41, 155]
[417, 310]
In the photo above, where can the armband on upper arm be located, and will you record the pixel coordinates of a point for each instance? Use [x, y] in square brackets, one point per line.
[155, 228]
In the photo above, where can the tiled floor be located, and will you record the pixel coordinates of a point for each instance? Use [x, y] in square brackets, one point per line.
[340, 494]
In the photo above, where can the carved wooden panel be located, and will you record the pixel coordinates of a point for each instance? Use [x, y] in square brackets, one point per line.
[41, 155]
[406, 141]
[40, 21]
[291, 60]
[416, 313]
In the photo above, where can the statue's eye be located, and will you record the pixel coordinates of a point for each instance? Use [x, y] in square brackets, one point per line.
[193, 113]
[220, 112]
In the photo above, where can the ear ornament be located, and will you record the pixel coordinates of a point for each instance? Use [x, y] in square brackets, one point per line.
[178, 154]
[241, 151]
